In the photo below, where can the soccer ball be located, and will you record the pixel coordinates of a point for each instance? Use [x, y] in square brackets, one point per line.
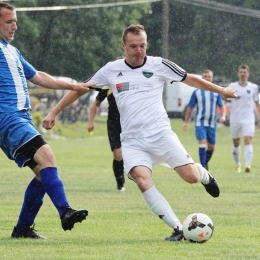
[197, 227]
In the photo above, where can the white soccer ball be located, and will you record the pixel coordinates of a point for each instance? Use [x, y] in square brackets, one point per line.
[197, 227]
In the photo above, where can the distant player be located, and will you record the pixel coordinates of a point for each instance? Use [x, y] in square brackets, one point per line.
[242, 117]
[206, 103]
[113, 131]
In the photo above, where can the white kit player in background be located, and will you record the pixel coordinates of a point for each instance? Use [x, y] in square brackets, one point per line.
[137, 83]
[242, 117]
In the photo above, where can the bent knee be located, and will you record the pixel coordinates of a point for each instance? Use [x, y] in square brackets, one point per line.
[189, 173]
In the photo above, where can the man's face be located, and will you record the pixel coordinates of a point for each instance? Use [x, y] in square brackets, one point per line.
[243, 74]
[207, 76]
[8, 26]
[135, 48]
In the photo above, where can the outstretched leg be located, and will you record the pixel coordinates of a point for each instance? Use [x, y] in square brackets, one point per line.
[33, 200]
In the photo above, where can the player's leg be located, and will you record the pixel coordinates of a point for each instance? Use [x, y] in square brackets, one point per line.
[235, 133]
[118, 168]
[15, 129]
[200, 133]
[175, 155]
[248, 132]
[33, 200]
[138, 164]
[211, 140]
[114, 130]
[54, 187]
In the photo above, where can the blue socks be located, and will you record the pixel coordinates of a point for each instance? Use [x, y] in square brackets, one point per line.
[209, 154]
[53, 186]
[33, 200]
[202, 155]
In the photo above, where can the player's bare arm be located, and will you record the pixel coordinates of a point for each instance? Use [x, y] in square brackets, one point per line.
[47, 81]
[257, 109]
[93, 112]
[206, 85]
[68, 99]
[222, 118]
[187, 118]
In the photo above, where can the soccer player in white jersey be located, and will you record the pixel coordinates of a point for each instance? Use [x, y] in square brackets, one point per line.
[242, 117]
[206, 103]
[137, 83]
[20, 141]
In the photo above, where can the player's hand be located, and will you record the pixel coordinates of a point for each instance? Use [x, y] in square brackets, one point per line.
[90, 127]
[184, 127]
[82, 87]
[222, 119]
[49, 121]
[228, 92]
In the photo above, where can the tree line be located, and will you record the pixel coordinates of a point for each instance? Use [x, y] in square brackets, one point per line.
[76, 42]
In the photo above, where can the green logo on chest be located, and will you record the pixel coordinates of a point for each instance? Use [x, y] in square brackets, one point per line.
[147, 74]
[248, 91]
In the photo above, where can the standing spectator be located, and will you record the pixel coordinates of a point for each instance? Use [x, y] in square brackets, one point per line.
[147, 139]
[206, 103]
[20, 141]
[242, 117]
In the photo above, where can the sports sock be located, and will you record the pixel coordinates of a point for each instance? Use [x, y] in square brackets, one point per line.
[248, 154]
[53, 186]
[208, 156]
[202, 154]
[236, 155]
[118, 168]
[33, 200]
[204, 174]
[161, 207]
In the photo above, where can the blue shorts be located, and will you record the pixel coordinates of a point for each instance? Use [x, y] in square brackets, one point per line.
[206, 132]
[16, 129]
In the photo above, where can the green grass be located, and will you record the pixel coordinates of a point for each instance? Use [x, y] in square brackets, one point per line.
[121, 225]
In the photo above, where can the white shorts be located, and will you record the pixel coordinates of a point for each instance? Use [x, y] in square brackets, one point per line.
[164, 147]
[238, 130]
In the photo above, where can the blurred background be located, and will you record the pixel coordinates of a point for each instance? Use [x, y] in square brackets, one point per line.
[74, 38]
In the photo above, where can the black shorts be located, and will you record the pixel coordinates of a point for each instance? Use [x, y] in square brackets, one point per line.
[29, 149]
[114, 131]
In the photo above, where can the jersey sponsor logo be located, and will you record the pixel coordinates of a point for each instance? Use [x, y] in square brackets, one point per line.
[122, 87]
[147, 74]
[248, 91]
[120, 74]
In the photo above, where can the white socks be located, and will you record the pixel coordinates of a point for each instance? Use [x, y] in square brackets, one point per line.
[204, 174]
[236, 154]
[161, 207]
[248, 154]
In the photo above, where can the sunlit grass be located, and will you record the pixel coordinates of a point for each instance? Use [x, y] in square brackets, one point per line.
[121, 225]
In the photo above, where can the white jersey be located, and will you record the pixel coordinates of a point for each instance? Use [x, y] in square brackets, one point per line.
[242, 107]
[138, 93]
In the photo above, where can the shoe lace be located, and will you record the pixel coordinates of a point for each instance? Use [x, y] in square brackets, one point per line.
[32, 228]
[176, 231]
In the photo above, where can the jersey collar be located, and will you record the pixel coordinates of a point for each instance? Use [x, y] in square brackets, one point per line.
[136, 66]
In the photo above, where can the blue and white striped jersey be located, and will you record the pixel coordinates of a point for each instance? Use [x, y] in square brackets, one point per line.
[14, 70]
[206, 103]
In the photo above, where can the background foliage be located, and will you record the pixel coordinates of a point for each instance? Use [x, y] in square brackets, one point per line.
[76, 43]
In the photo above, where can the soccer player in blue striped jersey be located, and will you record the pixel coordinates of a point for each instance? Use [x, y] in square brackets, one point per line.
[20, 141]
[206, 103]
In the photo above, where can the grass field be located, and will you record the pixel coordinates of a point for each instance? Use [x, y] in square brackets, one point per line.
[120, 225]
